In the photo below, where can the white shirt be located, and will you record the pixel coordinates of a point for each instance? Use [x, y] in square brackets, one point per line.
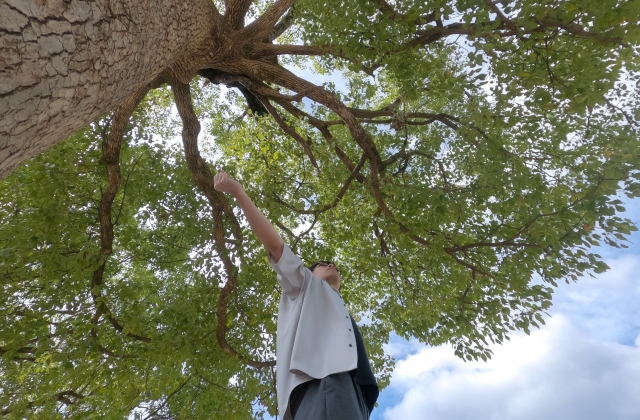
[315, 337]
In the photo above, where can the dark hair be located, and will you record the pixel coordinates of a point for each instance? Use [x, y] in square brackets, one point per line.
[315, 264]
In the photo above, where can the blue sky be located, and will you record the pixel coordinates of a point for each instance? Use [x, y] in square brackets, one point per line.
[583, 365]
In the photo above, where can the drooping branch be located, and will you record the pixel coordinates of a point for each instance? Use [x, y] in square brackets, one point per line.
[386, 8]
[321, 126]
[219, 206]
[263, 26]
[154, 413]
[64, 397]
[286, 79]
[391, 12]
[111, 159]
[403, 154]
[336, 199]
[297, 238]
[501, 15]
[21, 350]
[290, 131]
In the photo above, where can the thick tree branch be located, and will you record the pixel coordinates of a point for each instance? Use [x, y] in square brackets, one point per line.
[263, 26]
[284, 24]
[472, 267]
[219, 205]
[448, 120]
[575, 29]
[111, 159]
[630, 120]
[65, 397]
[235, 12]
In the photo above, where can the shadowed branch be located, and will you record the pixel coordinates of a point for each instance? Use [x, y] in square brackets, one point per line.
[111, 159]
[219, 206]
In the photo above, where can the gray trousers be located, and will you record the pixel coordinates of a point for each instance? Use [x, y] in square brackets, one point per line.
[335, 397]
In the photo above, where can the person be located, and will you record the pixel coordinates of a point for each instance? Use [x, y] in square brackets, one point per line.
[322, 368]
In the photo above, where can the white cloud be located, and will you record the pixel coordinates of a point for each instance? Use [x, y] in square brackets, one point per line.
[558, 372]
[399, 348]
[606, 305]
[583, 365]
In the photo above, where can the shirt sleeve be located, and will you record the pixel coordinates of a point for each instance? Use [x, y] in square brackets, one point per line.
[291, 271]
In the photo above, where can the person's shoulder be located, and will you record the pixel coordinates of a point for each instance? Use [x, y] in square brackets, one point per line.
[287, 257]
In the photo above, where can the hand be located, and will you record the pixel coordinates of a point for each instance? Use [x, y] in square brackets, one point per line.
[224, 183]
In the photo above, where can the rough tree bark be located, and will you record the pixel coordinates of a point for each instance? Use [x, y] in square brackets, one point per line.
[63, 64]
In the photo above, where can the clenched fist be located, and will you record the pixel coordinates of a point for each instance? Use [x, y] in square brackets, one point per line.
[224, 183]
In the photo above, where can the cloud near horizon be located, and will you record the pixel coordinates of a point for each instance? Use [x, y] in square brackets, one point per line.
[558, 372]
[583, 365]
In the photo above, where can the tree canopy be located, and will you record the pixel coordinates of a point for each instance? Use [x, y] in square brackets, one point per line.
[467, 162]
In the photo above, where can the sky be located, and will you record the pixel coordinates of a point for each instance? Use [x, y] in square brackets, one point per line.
[584, 364]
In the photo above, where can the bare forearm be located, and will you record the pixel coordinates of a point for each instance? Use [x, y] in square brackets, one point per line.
[260, 225]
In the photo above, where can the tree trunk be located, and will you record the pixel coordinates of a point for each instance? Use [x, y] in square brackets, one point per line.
[63, 64]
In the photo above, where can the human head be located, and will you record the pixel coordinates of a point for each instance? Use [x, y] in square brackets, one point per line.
[328, 271]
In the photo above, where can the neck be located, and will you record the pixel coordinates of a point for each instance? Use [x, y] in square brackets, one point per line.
[333, 284]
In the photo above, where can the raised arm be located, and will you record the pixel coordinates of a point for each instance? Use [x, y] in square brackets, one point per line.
[260, 225]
